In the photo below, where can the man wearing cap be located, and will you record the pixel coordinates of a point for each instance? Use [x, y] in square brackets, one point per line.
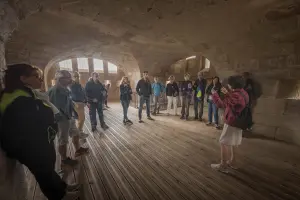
[60, 96]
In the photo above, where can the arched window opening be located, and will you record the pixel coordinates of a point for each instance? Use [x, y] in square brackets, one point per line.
[207, 63]
[83, 64]
[98, 65]
[66, 65]
[112, 69]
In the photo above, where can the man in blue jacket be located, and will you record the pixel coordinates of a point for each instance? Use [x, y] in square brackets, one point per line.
[199, 88]
[158, 90]
[95, 92]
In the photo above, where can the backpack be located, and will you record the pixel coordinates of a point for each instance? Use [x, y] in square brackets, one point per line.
[199, 93]
[243, 119]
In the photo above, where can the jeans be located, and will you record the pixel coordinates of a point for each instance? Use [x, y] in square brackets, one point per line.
[156, 104]
[213, 109]
[92, 111]
[186, 102]
[198, 103]
[125, 105]
[142, 101]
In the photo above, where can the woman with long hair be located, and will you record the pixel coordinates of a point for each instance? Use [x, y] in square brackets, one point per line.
[125, 97]
[212, 107]
[28, 129]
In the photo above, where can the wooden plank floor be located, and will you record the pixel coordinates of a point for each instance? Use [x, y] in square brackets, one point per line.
[170, 159]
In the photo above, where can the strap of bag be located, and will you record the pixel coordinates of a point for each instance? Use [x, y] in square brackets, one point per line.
[244, 97]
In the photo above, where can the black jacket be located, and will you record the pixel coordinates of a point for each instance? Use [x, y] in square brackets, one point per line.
[26, 121]
[143, 88]
[217, 88]
[94, 91]
[125, 92]
[172, 89]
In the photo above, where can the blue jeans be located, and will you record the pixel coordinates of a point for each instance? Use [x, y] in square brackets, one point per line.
[92, 111]
[213, 109]
[142, 101]
[125, 105]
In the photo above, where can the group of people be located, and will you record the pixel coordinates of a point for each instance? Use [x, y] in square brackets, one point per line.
[235, 98]
[31, 119]
[198, 91]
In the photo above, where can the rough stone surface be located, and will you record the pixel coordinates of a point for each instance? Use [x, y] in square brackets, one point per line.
[235, 35]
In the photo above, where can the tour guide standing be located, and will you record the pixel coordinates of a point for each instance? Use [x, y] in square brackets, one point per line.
[144, 90]
[95, 96]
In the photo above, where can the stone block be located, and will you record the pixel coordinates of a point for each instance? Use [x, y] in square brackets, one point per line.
[287, 135]
[270, 106]
[292, 107]
[268, 131]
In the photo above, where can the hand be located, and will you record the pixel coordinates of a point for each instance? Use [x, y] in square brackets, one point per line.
[95, 100]
[224, 90]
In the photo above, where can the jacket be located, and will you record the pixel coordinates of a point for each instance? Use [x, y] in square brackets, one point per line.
[25, 120]
[186, 89]
[172, 89]
[61, 99]
[233, 101]
[202, 85]
[143, 88]
[77, 93]
[94, 91]
[125, 92]
[158, 89]
[217, 88]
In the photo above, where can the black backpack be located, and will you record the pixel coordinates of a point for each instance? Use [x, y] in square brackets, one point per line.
[244, 118]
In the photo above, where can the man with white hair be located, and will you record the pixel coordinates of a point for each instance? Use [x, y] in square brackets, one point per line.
[59, 95]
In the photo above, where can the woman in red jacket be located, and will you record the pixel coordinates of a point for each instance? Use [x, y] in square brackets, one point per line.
[234, 101]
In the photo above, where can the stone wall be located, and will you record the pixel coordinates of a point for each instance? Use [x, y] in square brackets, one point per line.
[277, 118]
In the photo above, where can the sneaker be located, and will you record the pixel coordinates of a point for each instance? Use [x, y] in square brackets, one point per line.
[154, 113]
[217, 126]
[196, 118]
[182, 117]
[129, 121]
[69, 162]
[232, 166]
[81, 151]
[220, 167]
[141, 121]
[208, 124]
[94, 128]
[83, 135]
[72, 196]
[104, 126]
[124, 121]
[150, 118]
[73, 187]
[200, 119]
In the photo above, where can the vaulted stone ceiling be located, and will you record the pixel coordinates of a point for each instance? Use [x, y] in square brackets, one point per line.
[260, 36]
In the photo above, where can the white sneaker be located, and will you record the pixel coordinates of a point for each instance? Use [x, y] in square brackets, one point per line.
[220, 167]
[83, 135]
[72, 196]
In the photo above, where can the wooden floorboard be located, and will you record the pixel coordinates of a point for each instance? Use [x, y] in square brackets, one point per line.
[170, 159]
